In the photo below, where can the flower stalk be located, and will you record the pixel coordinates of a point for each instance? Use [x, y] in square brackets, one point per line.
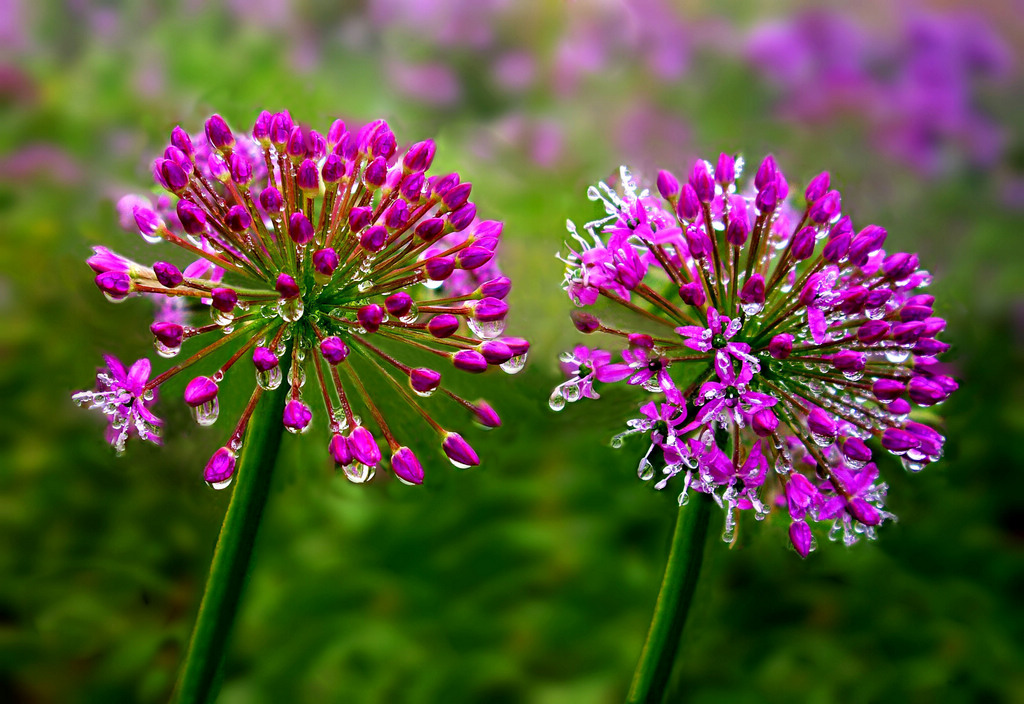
[199, 678]
[674, 600]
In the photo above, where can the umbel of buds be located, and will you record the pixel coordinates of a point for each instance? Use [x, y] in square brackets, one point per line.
[781, 346]
[329, 256]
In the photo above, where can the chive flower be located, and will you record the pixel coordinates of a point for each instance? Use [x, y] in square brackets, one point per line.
[781, 347]
[305, 256]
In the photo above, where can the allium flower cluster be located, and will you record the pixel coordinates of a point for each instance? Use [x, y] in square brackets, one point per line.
[777, 341]
[333, 256]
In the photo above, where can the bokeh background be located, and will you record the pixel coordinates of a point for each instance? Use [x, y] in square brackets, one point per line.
[532, 578]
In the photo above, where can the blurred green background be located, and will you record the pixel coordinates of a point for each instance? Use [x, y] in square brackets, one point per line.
[532, 578]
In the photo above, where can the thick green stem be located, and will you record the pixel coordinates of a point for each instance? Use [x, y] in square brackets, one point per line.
[199, 678]
[674, 599]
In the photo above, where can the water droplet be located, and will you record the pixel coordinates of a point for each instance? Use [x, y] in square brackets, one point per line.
[220, 317]
[616, 441]
[896, 355]
[515, 364]
[220, 485]
[364, 286]
[458, 465]
[296, 376]
[290, 309]
[571, 393]
[645, 470]
[557, 400]
[206, 413]
[412, 316]
[165, 351]
[358, 473]
[486, 329]
[822, 440]
[875, 313]
[729, 534]
[270, 379]
[751, 308]
[684, 496]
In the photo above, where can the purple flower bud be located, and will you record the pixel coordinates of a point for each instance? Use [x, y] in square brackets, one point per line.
[419, 157]
[753, 290]
[375, 173]
[826, 208]
[384, 143]
[697, 242]
[473, 258]
[218, 133]
[888, 389]
[333, 169]
[688, 208]
[333, 349]
[725, 170]
[925, 392]
[336, 132]
[174, 176]
[296, 147]
[398, 304]
[281, 129]
[767, 199]
[495, 351]
[218, 168]
[821, 423]
[469, 361]
[167, 274]
[224, 299]
[856, 451]
[459, 451]
[899, 266]
[873, 331]
[169, 334]
[237, 218]
[340, 450]
[518, 345]
[115, 284]
[271, 200]
[412, 186]
[439, 268]
[440, 185]
[584, 322]
[373, 238]
[316, 145]
[300, 229]
[933, 326]
[702, 182]
[836, 248]
[192, 217]
[406, 466]
[261, 128]
[221, 466]
[364, 446]
[297, 416]
[457, 196]
[200, 390]
[489, 309]
[325, 261]
[929, 346]
[430, 229]
[766, 173]
[264, 359]
[423, 380]
[147, 221]
[360, 217]
[781, 346]
[486, 416]
[179, 157]
[308, 177]
[801, 537]
[459, 220]
[371, 316]
[800, 495]
[803, 244]
[849, 361]
[912, 313]
[877, 298]
[286, 286]
[496, 288]
[241, 169]
[867, 241]
[817, 187]
[907, 333]
[668, 186]
[181, 140]
[103, 260]
[396, 215]
[692, 294]
[764, 422]
[443, 325]
[899, 407]
[781, 186]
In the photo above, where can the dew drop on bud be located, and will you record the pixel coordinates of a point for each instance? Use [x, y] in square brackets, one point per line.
[645, 470]
[486, 329]
[206, 414]
[557, 401]
[270, 379]
[514, 365]
[358, 473]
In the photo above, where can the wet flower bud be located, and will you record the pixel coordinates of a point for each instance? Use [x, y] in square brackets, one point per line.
[424, 380]
[115, 284]
[192, 217]
[439, 268]
[200, 390]
[473, 258]
[168, 274]
[825, 208]
[584, 322]
[375, 173]
[241, 169]
[459, 451]
[803, 244]
[224, 299]
[702, 182]
[308, 177]
[170, 335]
[457, 196]
[766, 173]
[781, 346]
[271, 200]
[459, 220]
[688, 207]
[373, 238]
[264, 359]
[333, 169]
[218, 133]
[489, 309]
[873, 331]
[370, 317]
[821, 423]
[725, 169]
[486, 416]
[817, 187]
[221, 466]
[297, 416]
[764, 422]
[668, 186]
[496, 288]
[261, 128]
[406, 466]
[430, 229]
[364, 446]
[692, 294]
[398, 304]
[443, 325]
[300, 229]
[419, 157]
[753, 290]
[801, 538]
[469, 361]
[333, 349]
[339, 449]
[325, 262]
[495, 351]
[286, 286]
[238, 218]
[174, 176]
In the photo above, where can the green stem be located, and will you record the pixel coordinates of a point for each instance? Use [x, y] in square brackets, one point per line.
[674, 599]
[199, 678]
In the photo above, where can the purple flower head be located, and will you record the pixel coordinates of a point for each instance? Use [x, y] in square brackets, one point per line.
[329, 262]
[784, 362]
